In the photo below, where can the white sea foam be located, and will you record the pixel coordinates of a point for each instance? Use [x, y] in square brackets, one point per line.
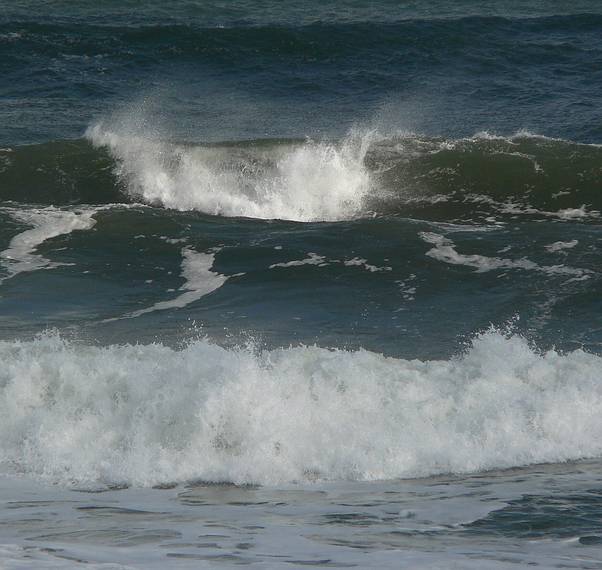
[149, 414]
[358, 262]
[445, 250]
[321, 261]
[561, 245]
[574, 213]
[311, 259]
[565, 214]
[307, 182]
[517, 208]
[200, 281]
[47, 223]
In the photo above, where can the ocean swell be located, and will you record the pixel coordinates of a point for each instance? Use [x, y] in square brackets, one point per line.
[144, 415]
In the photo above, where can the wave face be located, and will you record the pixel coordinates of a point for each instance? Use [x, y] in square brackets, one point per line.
[147, 414]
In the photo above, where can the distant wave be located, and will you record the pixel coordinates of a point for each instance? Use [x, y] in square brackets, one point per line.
[143, 415]
[235, 42]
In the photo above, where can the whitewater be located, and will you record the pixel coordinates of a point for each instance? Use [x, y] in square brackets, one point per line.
[310, 182]
[144, 415]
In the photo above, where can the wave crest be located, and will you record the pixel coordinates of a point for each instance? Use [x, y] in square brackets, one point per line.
[485, 178]
[301, 182]
[148, 414]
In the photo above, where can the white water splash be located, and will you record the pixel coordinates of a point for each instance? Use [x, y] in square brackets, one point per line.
[306, 182]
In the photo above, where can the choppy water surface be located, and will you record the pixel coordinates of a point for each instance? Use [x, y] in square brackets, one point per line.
[300, 286]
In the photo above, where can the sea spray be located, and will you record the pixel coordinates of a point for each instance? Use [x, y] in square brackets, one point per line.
[311, 181]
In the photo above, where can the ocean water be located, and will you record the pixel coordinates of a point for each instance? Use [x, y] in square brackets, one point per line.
[300, 285]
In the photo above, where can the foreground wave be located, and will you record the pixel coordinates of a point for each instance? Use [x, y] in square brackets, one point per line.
[145, 415]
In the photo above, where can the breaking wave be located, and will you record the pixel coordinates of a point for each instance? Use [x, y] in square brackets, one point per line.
[482, 178]
[145, 415]
[302, 182]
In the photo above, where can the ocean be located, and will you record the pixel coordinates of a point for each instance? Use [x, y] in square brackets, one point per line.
[290, 285]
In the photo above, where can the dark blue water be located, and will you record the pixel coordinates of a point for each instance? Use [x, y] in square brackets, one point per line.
[245, 70]
[257, 243]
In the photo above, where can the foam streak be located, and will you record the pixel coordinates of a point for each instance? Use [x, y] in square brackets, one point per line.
[47, 223]
[200, 281]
